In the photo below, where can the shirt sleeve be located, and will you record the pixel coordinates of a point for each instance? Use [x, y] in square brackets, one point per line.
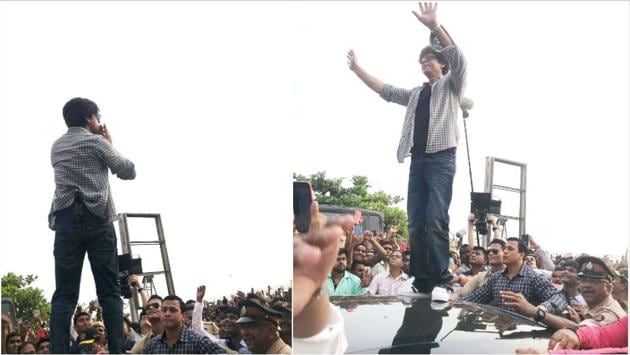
[610, 335]
[554, 300]
[373, 288]
[118, 164]
[482, 295]
[331, 340]
[197, 322]
[394, 94]
[457, 68]
[546, 260]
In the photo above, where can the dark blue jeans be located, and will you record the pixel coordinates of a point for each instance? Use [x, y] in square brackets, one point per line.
[77, 231]
[428, 199]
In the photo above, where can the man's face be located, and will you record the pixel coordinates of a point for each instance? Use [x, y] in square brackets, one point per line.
[28, 349]
[431, 68]
[82, 323]
[44, 348]
[569, 276]
[477, 257]
[511, 255]
[172, 316]
[258, 336]
[360, 252]
[594, 291]
[153, 309]
[556, 277]
[388, 248]
[359, 270]
[464, 255]
[530, 260]
[395, 259]
[341, 264]
[93, 124]
[13, 344]
[495, 254]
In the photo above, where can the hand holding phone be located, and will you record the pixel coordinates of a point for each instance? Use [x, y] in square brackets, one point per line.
[302, 200]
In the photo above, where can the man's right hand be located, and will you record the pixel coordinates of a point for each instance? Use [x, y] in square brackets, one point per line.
[564, 339]
[134, 281]
[201, 291]
[471, 219]
[314, 255]
[353, 63]
[105, 133]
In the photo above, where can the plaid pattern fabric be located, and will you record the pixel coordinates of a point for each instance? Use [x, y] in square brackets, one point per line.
[536, 289]
[446, 96]
[189, 343]
[80, 160]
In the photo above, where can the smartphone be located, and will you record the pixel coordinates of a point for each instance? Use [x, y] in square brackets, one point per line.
[302, 200]
[525, 239]
[358, 230]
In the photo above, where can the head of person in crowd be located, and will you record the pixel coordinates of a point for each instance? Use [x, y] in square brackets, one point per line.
[406, 261]
[13, 341]
[530, 259]
[100, 327]
[190, 306]
[81, 320]
[395, 260]
[342, 262]
[388, 245]
[78, 112]
[495, 252]
[358, 268]
[285, 322]
[556, 276]
[231, 313]
[27, 348]
[259, 326]
[153, 308]
[514, 252]
[359, 252]
[370, 253]
[464, 254]
[90, 341]
[478, 256]
[173, 309]
[620, 282]
[569, 276]
[43, 345]
[594, 280]
[433, 63]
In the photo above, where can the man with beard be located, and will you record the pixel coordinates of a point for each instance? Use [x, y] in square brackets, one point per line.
[176, 338]
[341, 282]
[259, 328]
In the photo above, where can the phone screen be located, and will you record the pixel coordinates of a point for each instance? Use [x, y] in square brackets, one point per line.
[525, 239]
[358, 230]
[302, 200]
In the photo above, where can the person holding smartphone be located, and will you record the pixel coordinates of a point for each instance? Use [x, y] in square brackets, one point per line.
[430, 137]
[81, 215]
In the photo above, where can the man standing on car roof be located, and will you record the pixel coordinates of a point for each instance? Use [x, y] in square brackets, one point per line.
[430, 136]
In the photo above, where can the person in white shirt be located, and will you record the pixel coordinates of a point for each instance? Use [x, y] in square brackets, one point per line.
[387, 283]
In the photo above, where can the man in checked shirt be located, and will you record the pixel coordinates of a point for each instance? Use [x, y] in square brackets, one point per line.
[81, 215]
[430, 136]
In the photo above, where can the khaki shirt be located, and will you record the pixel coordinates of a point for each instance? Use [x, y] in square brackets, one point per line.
[279, 347]
[607, 312]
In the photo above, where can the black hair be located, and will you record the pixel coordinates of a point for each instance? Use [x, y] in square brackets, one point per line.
[429, 51]
[383, 242]
[522, 248]
[569, 263]
[343, 251]
[78, 110]
[498, 241]
[25, 343]
[355, 263]
[155, 297]
[77, 315]
[464, 246]
[182, 305]
[41, 341]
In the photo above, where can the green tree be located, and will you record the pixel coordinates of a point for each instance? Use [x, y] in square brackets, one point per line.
[25, 297]
[329, 191]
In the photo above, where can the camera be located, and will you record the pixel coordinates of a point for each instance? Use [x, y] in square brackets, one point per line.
[481, 203]
[127, 266]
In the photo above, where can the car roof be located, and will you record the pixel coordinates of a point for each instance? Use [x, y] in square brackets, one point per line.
[392, 324]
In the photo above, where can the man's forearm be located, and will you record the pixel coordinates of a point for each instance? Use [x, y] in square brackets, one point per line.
[313, 317]
[557, 322]
[444, 38]
[369, 80]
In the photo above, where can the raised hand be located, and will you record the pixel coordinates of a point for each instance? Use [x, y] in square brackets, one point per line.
[201, 291]
[352, 60]
[427, 15]
[314, 255]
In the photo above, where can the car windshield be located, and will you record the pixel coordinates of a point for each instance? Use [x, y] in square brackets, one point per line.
[394, 325]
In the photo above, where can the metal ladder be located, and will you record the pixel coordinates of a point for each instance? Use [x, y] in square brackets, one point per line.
[489, 186]
[127, 243]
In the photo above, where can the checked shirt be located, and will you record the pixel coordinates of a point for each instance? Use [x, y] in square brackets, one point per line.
[536, 289]
[189, 343]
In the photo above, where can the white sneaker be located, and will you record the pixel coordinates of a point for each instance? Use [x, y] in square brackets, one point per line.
[407, 289]
[441, 294]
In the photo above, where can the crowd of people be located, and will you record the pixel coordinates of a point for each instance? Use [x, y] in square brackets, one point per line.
[562, 291]
[256, 322]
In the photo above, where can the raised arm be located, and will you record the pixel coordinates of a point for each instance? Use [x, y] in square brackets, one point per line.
[369, 80]
[428, 17]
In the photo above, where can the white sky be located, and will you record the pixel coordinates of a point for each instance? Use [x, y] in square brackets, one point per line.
[218, 103]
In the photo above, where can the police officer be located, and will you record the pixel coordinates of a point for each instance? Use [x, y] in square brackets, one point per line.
[259, 328]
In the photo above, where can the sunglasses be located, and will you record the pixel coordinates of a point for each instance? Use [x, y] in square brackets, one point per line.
[493, 251]
[152, 306]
